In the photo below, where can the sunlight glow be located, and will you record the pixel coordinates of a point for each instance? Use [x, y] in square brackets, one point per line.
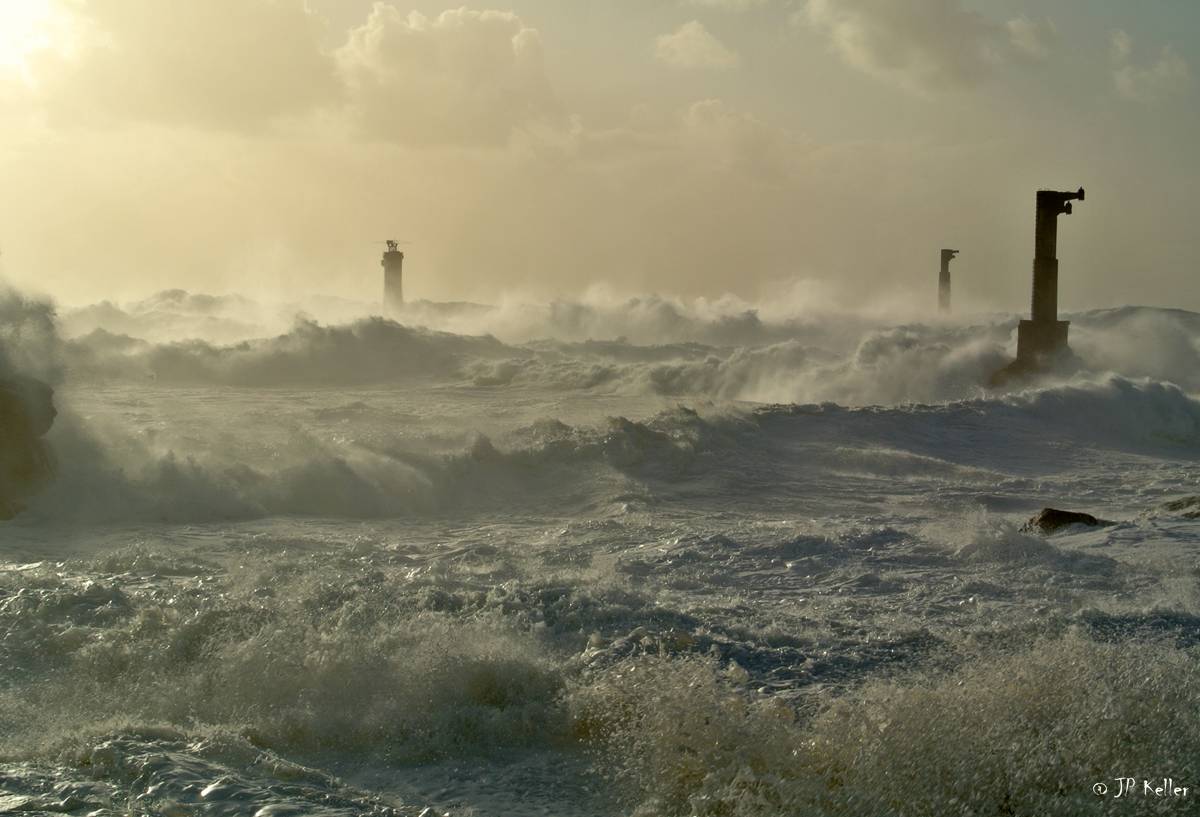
[25, 27]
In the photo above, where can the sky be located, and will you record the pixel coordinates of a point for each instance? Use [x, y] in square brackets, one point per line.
[537, 148]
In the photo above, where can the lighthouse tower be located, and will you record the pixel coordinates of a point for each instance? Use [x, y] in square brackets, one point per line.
[393, 279]
[944, 280]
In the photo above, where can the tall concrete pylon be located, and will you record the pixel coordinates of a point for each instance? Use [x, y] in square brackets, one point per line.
[1043, 337]
[944, 280]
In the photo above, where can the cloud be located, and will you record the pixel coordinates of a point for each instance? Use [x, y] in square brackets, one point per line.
[725, 5]
[1169, 74]
[1032, 38]
[692, 46]
[738, 141]
[707, 136]
[229, 64]
[464, 77]
[925, 47]
[1120, 47]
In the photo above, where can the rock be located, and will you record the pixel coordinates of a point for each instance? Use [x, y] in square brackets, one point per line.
[26, 414]
[1051, 520]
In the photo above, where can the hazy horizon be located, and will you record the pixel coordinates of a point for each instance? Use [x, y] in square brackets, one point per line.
[692, 147]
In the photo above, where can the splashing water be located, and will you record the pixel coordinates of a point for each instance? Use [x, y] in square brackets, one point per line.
[600, 557]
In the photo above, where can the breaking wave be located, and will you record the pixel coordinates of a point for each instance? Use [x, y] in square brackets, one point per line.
[370, 351]
[368, 469]
[733, 557]
[30, 344]
[724, 350]
[372, 657]
[877, 402]
[1018, 733]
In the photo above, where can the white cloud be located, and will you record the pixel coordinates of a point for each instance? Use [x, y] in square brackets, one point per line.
[1121, 47]
[229, 64]
[1032, 38]
[738, 141]
[1169, 74]
[693, 46]
[463, 77]
[925, 46]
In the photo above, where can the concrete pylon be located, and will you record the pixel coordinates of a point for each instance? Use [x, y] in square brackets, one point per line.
[393, 279]
[944, 280]
[1044, 337]
[1042, 340]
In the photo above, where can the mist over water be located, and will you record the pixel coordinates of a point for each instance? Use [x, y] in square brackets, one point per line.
[601, 556]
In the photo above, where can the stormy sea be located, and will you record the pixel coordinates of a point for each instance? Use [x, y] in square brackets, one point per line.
[603, 556]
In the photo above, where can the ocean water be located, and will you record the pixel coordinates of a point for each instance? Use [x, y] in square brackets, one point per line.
[600, 557]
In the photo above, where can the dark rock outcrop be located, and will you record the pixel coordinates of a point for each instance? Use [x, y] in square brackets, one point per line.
[26, 413]
[1051, 520]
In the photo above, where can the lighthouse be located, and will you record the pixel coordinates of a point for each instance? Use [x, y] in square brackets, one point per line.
[393, 279]
[944, 280]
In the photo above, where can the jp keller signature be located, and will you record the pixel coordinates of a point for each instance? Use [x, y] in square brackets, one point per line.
[1163, 787]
